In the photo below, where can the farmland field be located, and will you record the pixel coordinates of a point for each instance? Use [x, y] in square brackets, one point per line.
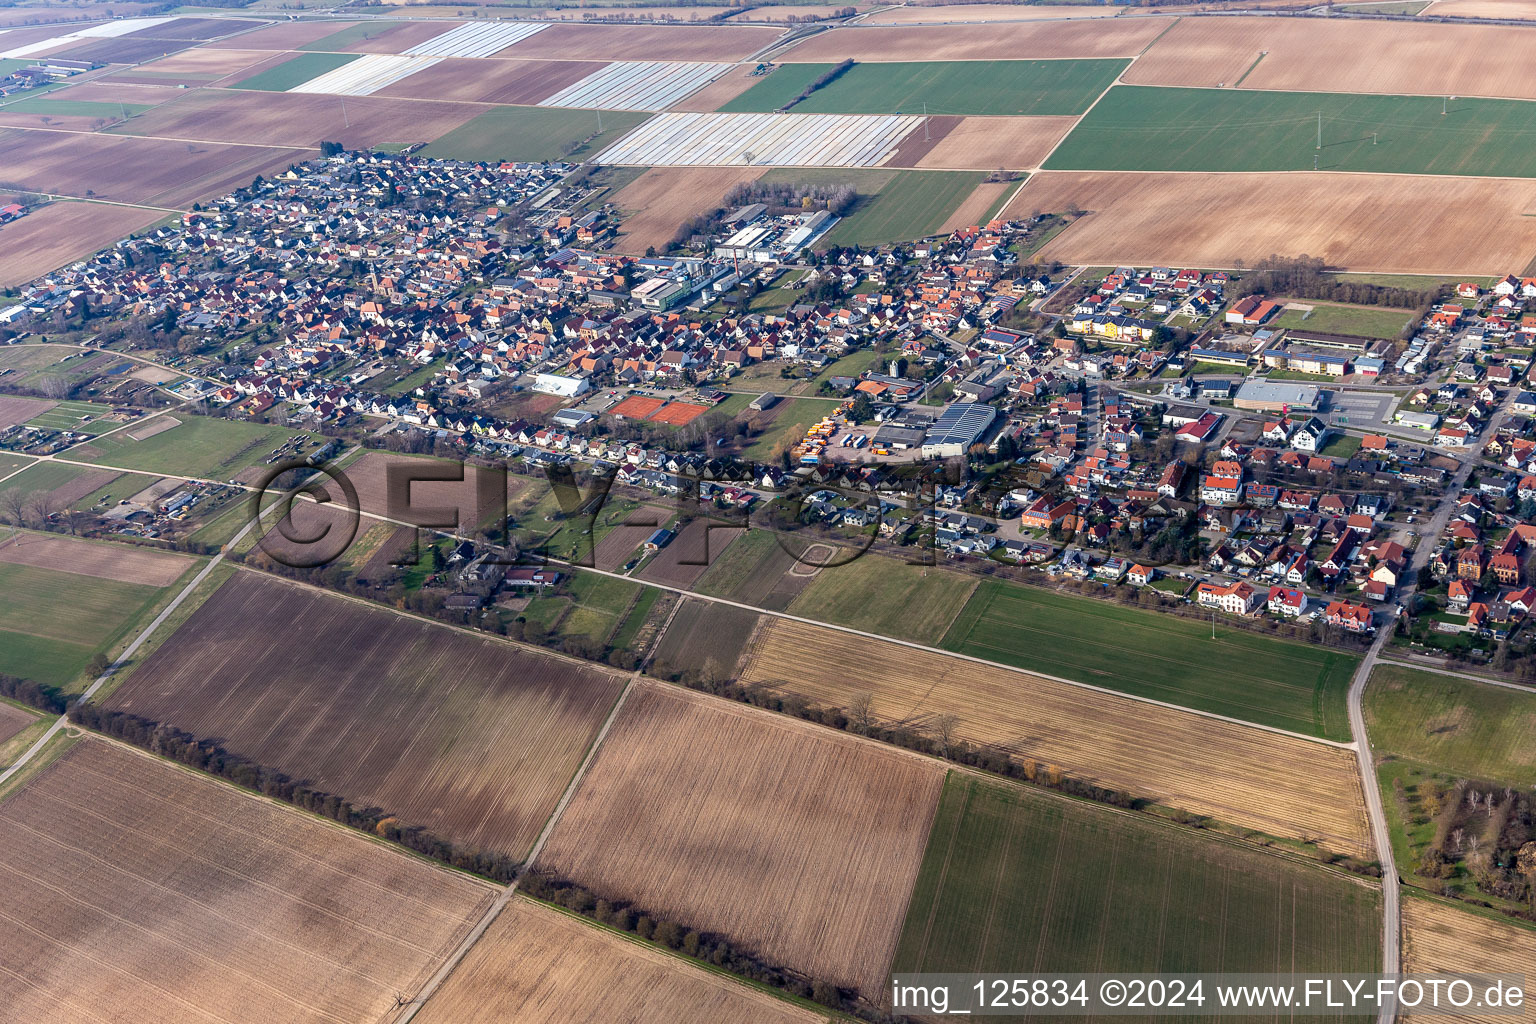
[645, 42]
[296, 71]
[1382, 223]
[804, 849]
[985, 143]
[655, 204]
[1439, 938]
[470, 738]
[1453, 725]
[915, 204]
[697, 544]
[1342, 55]
[1277, 784]
[537, 965]
[886, 595]
[1015, 880]
[139, 891]
[500, 81]
[147, 567]
[1121, 37]
[637, 85]
[706, 637]
[992, 87]
[756, 570]
[792, 139]
[199, 446]
[61, 232]
[533, 133]
[1244, 675]
[1164, 129]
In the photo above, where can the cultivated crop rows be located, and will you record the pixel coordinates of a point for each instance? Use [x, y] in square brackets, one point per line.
[366, 75]
[807, 140]
[136, 891]
[1443, 939]
[1237, 774]
[475, 40]
[642, 85]
[109, 30]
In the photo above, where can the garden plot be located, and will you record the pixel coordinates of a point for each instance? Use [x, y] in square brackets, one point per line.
[788, 140]
[366, 75]
[108, 30]
[637, 85]
[475, 40]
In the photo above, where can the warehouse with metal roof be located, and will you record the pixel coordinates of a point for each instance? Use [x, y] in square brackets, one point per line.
[961, 426]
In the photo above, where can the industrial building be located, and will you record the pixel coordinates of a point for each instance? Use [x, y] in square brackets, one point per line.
[777, 239]
[1272, 396]
[961, 426]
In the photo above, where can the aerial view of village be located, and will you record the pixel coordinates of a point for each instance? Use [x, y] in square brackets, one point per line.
[647, 511]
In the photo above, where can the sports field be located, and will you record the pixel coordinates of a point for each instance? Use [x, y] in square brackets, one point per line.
[994, 87]
[1015, 880]
[1138, 128]
[296, 71]
[534, 134]
[1353, 320]
[200, 446]
[885, 595]
[912, 205]
[1243, 675]
[1454, 725]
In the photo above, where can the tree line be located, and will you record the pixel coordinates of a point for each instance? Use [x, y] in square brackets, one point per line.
[1305, 277]
[33, 694]
[822, 80]
[177, 745]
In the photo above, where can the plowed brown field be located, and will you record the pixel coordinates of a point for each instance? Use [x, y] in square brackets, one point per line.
[470, 738]
[59, 233]
[135, 891]
[985, 143]
[790, 839]
[656, 204]
[1523, 10]
[1016, 41]
[719, 92]
[1440, 939]
[951, 14]
[1343, 55]
[973, 210]
[642, 42]
[535, 965]
[13, 720]
[1409, 224]
[503, 81]
[288, 36]
[1248, 777]
[102, 559]
[155, 172]
[15, 409]
[299, 119]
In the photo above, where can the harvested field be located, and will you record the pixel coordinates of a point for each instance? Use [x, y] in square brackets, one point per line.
[13, 720]
[719, 92]
[656, 204]
[985, 143]
[536, 965]
[952, 14]
[644, 42]
[1247, 777]
[120, 168]
[61, 233]
[102, 559]
[502, 81]
[111, 90]
[287, 36]
[472, 739]
[1381, 223]
[1439, 938]
[1522, 10]
[1343, 55]
[14, 409]
[299, 119]
[212, 904]
[148, 429]
[1019, 41]
[696, 545]
[805, 850]
[208, 61]
[705, 637]
[986, 197]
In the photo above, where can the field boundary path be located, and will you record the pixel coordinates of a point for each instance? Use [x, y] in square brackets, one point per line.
[494, 911]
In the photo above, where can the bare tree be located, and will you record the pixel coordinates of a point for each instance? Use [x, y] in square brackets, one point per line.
[13, 506]
[1457, 836]
[54, 386]
[44, 506]
[944, 729]
[858, 711]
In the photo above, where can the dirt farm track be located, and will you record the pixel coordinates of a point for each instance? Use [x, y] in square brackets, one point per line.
[136, 891]
[1408, 224]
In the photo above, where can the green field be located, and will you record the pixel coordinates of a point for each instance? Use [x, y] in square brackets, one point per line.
[296, 71]
[788, 427]
[913, 205]
[1159, 129]
[534, 134]
[1015, 880]
[1454, 725]
[888, 596]
[51, 623]
[1244, 675]
[76, 108]
[1357, 321]
[992, 87]
[587, 605]
[79, 417]
[350, 36]
[200, 446]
